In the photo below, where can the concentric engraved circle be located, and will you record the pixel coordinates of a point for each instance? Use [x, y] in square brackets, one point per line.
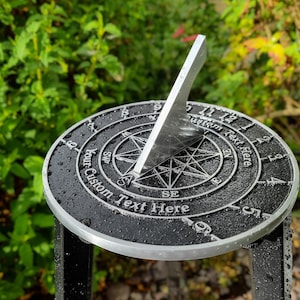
[208, 167]
[232, 186]
[193, 166]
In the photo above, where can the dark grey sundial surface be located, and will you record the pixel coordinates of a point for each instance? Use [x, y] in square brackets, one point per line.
[231, 187]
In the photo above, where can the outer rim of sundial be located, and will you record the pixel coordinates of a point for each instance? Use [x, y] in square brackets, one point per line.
[176, 252]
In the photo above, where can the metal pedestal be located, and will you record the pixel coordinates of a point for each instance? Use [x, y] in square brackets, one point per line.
[271, 266]
[231, 188]
[73, 266]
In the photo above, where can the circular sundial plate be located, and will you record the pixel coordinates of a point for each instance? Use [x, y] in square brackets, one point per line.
[234, 185]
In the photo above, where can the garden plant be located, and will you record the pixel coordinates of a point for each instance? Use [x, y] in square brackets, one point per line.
[61, 61]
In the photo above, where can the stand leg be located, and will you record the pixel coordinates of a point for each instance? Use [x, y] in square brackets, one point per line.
[271, 260]
[73, 265]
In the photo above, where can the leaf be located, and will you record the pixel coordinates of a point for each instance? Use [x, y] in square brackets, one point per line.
[33, 27]
[19, 170]
[10, 291]
[256, 43]
[1, 53]
[43, 248]
[26, 255]
[113, 30]
[44, 58]
[21, 46]
[277, 54]
[42, 220]
[21, 226]
[113, 66]
[90, 26]
[6, 163]
[241, 50]
[25, 200]
[37, 186]
[34, 164]
[5, 16]
[3, 238]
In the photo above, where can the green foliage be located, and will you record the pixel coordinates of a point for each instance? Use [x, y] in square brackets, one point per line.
[156, 36]
[63, 60]
[55, 68]
[259, 73]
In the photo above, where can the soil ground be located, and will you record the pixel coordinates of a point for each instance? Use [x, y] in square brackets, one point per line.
[224, 277]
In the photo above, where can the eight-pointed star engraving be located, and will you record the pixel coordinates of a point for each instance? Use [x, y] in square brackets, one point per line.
[188, 162]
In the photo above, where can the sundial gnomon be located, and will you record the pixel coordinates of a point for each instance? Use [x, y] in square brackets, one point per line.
[229, 186]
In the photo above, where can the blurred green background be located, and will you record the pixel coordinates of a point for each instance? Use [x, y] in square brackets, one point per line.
[61, 61]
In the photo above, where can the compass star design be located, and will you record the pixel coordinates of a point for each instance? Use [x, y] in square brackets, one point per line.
[195, 164]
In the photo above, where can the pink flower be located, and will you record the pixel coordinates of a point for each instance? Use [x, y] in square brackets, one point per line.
[180, 30]
[189, 38]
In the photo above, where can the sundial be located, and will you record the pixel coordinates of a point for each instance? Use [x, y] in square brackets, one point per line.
[171, 180]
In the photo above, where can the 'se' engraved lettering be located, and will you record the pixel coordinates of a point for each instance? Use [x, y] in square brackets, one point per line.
[96, 184]
[170, 194]
[161, 208]
[87, 158]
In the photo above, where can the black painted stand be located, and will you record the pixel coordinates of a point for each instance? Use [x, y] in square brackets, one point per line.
[271, 264]
[73, 266]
